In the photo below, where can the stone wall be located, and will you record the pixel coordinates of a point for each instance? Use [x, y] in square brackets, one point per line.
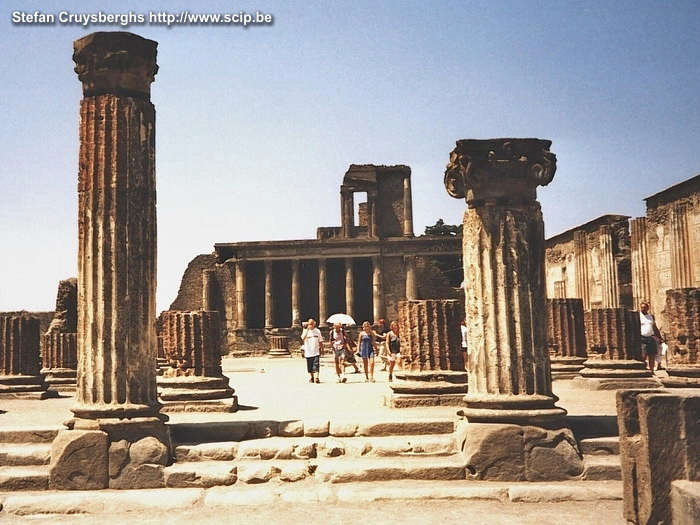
[682, 322]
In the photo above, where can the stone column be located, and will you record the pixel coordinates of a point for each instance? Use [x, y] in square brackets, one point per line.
[377, 295]
[614, 333]
[641, 289]
[346, 205]
[296, 310]
[322, 294]
[681, 260]
[566, 337]
[209, 290]
[279, 346]
[510, 406]
[372, 213]
[19, 358]
[407, 208]
[581, 264]
[60, 343]
[349, 288]
[431, 345]
[269, 297]
[411, 281]
[117, 407]
[682, 316]
[611, 295]
[240, 296]
[194, 382]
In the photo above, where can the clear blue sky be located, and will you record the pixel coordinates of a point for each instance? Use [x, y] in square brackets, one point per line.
[256, 127]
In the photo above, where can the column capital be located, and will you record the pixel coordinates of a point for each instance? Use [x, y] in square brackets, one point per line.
[507, 168]
[117, 63]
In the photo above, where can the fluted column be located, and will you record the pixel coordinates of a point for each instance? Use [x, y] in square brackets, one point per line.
[372, 212]
[241, 323]
[19, 357]
[346, 205]
[581, 265]
[681, 261]
[611, 296]
[349, 288]
[682, 316]
[503, 253]
[641, 288]
[269, 296]
[407, 208]
[60, 343]
[322, 293]
[208, 290]
[116, 228]
[377, 294]
[411, 281]
[566, 336]
[296, 311]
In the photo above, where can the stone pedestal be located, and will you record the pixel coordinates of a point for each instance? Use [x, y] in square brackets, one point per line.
[194, 382]
[19, 359]
[510, 384]
[566, 337]
[682, 322]
[614, 334]
[118, 438]
[279, 346]
[659, 436]
[60, 344]
[431, 346]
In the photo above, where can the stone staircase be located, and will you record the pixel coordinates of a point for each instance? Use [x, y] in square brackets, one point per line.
[24, 458]
[599, 443]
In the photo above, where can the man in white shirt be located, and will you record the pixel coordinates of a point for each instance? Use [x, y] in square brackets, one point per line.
[312, 341]
[651, 337]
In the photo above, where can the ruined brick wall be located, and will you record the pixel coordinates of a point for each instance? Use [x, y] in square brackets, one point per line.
[390, 201]
[613, 333]
[560, 270]
[682, 322]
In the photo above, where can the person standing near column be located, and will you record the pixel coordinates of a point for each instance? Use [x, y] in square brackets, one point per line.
[651, 337]
[312, 340]
[465, 347]
[393, 342]
[339, 342]
[368, 347]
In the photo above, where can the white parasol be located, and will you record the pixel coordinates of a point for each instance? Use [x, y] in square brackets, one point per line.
[341, 318]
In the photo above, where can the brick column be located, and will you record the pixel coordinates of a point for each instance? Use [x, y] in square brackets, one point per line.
[510, 396]
[60, 343]
[566, 337]
[682, 315]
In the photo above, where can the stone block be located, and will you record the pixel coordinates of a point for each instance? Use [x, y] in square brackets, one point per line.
[145, 476]
[494, 452]
[257, 472]
[290, 428]
[551, 455]
[79, 460]
[316, 428]
[342, 429]
[685, 502]
[148, 450]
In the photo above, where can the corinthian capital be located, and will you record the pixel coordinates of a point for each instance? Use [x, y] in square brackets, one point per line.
[117, 63]
[499, 169]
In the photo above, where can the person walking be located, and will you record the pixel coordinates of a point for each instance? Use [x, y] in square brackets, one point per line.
[367, 342]
[339, 342]
[465, 347]
[312, 341]
[393, 341]
[650, 334]
[380, 336]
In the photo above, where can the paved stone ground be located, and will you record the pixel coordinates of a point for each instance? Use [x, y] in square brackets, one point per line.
[278, 389]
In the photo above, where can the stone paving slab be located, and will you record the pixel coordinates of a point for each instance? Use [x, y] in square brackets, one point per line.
[169, 500]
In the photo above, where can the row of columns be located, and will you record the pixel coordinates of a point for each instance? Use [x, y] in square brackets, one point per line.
[377, 290]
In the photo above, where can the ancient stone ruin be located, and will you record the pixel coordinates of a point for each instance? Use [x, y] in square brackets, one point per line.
[566, 337]
[431, 347]
[60, 348]
[682, 320]
[513, 429]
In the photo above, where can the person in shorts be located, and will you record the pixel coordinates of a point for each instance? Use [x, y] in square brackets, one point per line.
[393, 341]
[339, 343]
[650, 335]
[313, 341]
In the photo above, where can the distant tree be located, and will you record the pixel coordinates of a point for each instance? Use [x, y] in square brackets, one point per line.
[444, 230]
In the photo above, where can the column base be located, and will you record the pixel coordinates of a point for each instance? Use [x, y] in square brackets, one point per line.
[196, 394]
[61, 379]
[608, 374]
[25, 387]
[423, 400]
[510, 452]
[538, 410]
[566, 367]
[110, 453]
[433, 382]
[279, 353]
[682, 377]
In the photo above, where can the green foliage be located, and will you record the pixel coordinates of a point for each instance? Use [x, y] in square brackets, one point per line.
[444, 230]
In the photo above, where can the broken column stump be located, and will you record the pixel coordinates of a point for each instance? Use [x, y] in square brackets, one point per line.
[279, 346]
[431, 345]
[566, 337]
[60, 348]
[513, 430]
[659, 436]
[20, 376]
[194, 382]
[614, 333]
[682, 316]
[118, 437]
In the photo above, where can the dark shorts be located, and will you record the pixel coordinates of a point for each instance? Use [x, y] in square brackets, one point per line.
[649, 346]
[339, 354]
[313, 364]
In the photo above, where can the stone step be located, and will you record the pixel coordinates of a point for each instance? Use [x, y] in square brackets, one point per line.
[29, 435]
[202, 474]
[602, 468]
[311, 447]
[24, 478]
[379, 469]
[601, 446]
[246, 430]
[21, 454]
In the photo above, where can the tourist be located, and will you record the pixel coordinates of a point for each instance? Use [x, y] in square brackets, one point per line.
[465, 347]
[651, 337]
[339, 342]
[380, 335]
[367, 341]
[394, 343]
[350, 359]
[312, 341]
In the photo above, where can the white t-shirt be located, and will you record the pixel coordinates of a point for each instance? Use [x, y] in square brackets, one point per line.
[647, 322]
[464, 335]
[312, 342]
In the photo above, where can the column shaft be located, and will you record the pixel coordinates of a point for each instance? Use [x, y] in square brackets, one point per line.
[407, 208]
[641, 288]
[349, 288]
[581, 264]
[411, 281]
[296, 311]
[269, 296]
[377, 295]
[208, 290]
[681, 261]
[611, 296]
[240, 295]
[322, 293]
